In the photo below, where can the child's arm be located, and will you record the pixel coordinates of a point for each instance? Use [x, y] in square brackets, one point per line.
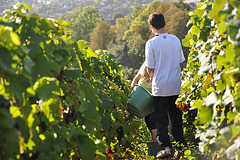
[151, 73]
[136, 79]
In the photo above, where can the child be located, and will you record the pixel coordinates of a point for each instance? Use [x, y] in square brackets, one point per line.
[142, 78]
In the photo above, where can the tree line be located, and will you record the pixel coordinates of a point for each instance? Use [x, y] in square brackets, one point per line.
[58, 8]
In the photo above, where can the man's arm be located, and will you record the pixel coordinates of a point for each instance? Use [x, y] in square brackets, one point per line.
[151, 73]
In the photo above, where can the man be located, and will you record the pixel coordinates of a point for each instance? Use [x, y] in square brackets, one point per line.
[163, 57]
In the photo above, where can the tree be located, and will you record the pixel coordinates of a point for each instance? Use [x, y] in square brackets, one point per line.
[120, 49]
[136, 51]
[117, 15]
[183, 6]
[101, 36]
[82, 22]
[136, 10]
[126, 47]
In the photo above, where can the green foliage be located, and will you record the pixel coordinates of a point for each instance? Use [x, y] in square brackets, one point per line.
[58, 98]
[82, 21]
[136, 10]
[119, 47]
[136, 50]
[183, 6]
[211, 79]
[101, 36]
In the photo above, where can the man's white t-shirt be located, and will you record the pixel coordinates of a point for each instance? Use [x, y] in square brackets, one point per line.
[164, 54]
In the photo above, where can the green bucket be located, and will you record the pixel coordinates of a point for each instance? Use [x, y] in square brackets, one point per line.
[153, 148]
[141, 102]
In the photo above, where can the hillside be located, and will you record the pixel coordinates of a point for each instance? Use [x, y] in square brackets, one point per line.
[58, 8]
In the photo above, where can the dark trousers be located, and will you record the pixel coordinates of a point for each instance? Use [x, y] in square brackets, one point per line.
[150, 121]
[165, 109]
